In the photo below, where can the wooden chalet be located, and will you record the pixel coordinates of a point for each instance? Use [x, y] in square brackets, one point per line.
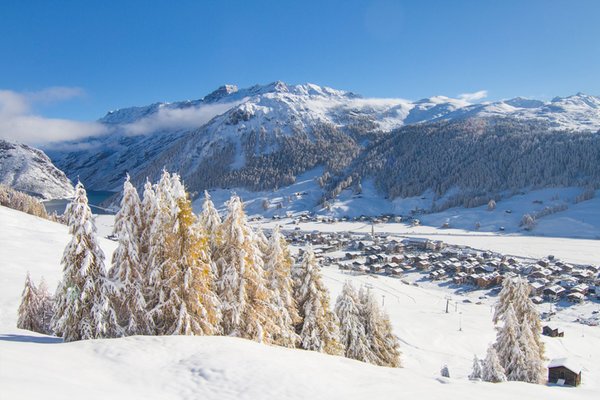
[563, 371]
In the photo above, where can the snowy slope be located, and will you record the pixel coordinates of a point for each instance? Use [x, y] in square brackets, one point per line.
[34, 366]
[29, 170]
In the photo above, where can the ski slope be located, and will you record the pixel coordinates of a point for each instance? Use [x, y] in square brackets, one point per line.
[34, 366]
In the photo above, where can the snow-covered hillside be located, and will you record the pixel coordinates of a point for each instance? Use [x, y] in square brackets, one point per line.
[29, 170]
[33, 366]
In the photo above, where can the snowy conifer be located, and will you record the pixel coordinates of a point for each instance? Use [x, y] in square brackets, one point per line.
[82, 309]
[476, 371]
[29, 308]
[241, 284]
[319, 328]
[127, 270]
[189, 306]
[508, 346]
[492, 370]
[534, 367]
[210, 221]
[352, 330]
[160, 243]
[383, 343]
[45, 307]
[278, 267]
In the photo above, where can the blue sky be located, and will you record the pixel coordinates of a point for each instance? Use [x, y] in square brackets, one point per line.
[122, 53]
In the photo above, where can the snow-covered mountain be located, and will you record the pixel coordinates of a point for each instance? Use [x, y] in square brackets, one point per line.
[29, 170]
[264, 137]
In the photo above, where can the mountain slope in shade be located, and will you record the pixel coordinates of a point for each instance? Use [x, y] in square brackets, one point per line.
[29, 170]
[265, 136]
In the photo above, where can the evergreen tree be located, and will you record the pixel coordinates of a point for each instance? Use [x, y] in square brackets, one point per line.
[149, 210]
[82, 309]
[352, 330]
[476, 372]
[527, 314]
[241, 284]
[210, 221]
[160, 243]
[319, 328]
[127, 271]
[189, 305]
[384, 345]
[492, 370]
[45, 308]
[508, 346]
[278, 267]
[534, 367]
[29, 308]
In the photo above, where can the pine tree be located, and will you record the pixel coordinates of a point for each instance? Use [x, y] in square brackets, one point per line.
[534, 367]
[505, 297]
[492, 370]
[278, 267]
[160, 242]
[210, 221]
[508, 346]
[527, 314]
[82, 309]
[127, 271]
[189, 305]
[384, 345]
[261, 241]
[352, 330]
[241, 284]
[29, 307]
[520, 349]
[319, 327]
[149, 210]
[476, 372]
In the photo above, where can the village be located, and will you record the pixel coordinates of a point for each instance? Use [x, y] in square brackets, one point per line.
[459, 267]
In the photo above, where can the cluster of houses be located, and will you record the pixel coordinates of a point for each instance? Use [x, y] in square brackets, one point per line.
[551, 279]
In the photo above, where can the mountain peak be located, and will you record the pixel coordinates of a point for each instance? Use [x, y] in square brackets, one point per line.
[221, 92]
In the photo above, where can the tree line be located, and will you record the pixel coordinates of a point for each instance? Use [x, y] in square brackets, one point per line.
[177, 273]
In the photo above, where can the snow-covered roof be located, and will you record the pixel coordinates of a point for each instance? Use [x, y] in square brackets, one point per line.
[565, 362]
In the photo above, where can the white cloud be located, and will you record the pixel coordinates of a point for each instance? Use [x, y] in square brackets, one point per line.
[482, 94]
[177, 118]
[19, 123]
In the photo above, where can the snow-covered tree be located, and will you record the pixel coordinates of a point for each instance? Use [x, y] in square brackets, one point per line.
[241, 284]
[491, 205]
[528, 222]
[45, 307]
[210, 221]
[352, 330]
[319, 328]
[29, 308]
[519, 345]
[82, 309]
[534, 367]
[384, 345]
[189, 305]
[492, 370]
[127, 270]
[160, 243]
[262, 242]
[508, 347]
[278, 267]
[149, 210]
[476, 371]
